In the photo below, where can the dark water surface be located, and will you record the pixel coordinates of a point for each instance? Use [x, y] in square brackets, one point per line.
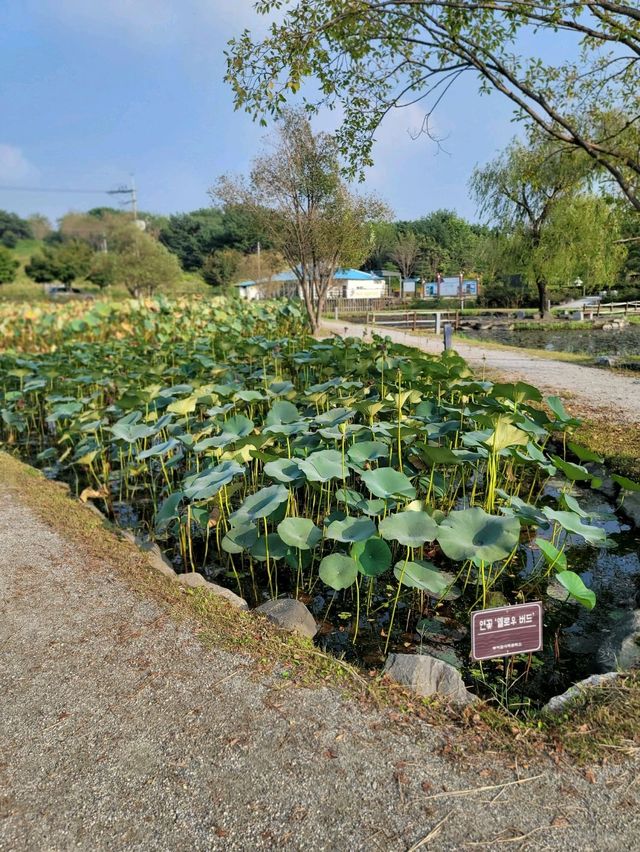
[625, 341]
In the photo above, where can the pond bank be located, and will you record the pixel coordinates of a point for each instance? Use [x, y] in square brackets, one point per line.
[121, 729]
[614, 395]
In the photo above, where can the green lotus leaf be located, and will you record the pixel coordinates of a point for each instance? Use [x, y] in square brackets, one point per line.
[412, 529]
[577, 589]
[283, 470]
[168, 511]
[239, 425]
[517, 392]
[239, 538]
[322, 466]
[273, 544]
[373, 556]
[334, 416]
[158, 449]
[351, 529]
[571, 522]
[208, 482]
[552, 556]
[282, 412]
[262, 504]
[365, 451]
[584, 453]
[625, 483]
[474, 534]
[573, 472]
[338, 571]
[299, 532]
[387, 482]
[421, 575]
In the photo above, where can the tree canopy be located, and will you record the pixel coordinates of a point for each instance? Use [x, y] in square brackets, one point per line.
[371, 56]
[296, 196]
[12, 229]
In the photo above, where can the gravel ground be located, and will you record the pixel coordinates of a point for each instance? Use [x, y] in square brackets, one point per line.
[119, 730]
[596, 388]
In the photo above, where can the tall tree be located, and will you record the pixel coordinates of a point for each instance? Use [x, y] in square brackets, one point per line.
[296, 195]
[521, 188]
[220, 267]
[39, 226]
[193, 236]
[65, 262]
[12, 229]
[143, 265]
[371, 56]
[405, 252]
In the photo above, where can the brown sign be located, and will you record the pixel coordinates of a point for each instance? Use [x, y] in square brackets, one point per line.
[506, 630]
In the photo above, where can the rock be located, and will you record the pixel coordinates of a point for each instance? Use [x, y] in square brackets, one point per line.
[194, 580]
[96, 511]
[630, 507]
[290, 614]
[426, 675]
[628, 656]
[607, 486]
[558, 703]
[606, 361]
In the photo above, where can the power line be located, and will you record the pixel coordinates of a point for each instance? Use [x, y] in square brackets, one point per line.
[56, 189]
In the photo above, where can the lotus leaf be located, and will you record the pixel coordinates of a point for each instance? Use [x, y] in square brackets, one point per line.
[299, 532]
[421, 575]
[387, 482]
[373, 556]
[474, 534]
[411, 529]
[351, 529]
[262, 504]
[571, 522]
[322, 466]
[338, 571]
[576, 588]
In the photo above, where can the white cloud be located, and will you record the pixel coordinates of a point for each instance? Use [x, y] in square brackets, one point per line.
[14, 166]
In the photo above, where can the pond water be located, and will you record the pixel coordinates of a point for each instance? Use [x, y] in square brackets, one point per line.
[626, 341]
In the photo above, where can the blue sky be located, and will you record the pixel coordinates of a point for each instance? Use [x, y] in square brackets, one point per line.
[95, 90]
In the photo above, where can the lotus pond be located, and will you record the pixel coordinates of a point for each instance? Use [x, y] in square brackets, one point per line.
[391, 491]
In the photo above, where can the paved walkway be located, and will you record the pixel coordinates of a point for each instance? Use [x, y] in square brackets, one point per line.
[119, 730]
[599, 389]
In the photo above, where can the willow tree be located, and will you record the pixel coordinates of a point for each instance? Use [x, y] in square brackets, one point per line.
[520, 190]
[368, 57]
[296, 196]
[539, 195]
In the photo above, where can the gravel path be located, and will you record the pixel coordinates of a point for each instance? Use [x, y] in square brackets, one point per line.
[119, 730]
[601, 389]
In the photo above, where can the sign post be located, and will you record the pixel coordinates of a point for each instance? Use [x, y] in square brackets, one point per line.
[506, 631]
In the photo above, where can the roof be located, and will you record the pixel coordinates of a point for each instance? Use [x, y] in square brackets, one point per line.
[340, 275]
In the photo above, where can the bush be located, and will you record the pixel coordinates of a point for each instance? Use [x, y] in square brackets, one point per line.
[8, 266]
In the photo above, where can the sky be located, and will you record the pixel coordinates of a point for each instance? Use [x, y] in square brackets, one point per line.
[95, 91]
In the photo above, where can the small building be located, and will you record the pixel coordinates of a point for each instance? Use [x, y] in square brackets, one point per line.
[347, 284]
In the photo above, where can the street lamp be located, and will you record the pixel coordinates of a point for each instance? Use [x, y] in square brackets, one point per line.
[580, 283]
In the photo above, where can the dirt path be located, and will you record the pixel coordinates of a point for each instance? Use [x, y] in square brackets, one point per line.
[601, 389]
[119, 730]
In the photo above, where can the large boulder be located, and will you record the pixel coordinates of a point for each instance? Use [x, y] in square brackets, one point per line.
[559, 702]
[196, 581]
[290, 614]
[426, 675]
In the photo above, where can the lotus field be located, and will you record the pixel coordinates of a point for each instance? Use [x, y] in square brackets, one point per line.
[391, 491]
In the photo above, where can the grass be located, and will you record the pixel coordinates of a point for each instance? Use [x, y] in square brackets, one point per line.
[616, 442]
[604, 724]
